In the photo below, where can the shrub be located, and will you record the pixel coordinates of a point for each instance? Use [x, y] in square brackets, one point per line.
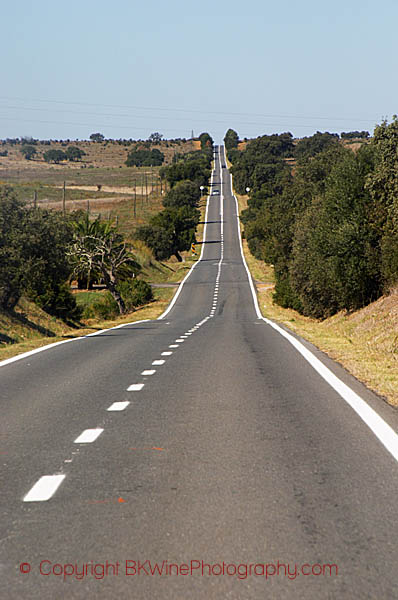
[135, 292]
[106, 308]
[58, 301]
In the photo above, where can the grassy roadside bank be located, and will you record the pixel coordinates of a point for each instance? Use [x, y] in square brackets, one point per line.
[30, 327]
[365, 342]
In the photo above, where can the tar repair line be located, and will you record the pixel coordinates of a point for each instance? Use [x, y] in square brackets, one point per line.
[385, 434]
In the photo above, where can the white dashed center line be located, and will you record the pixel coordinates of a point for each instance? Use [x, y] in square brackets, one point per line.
[44, 488]
[166, 354]
[149, 372]
[88, 436]
[135, 387]
[119, 405]
[158, 362]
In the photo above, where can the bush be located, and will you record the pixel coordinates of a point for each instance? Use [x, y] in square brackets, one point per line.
[106, 308]
[135, 292]
[58, 301]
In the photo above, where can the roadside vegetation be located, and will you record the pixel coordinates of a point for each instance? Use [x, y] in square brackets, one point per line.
[67, 273]
[320, 238]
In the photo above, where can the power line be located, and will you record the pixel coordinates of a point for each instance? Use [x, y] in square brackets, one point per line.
[196, 111]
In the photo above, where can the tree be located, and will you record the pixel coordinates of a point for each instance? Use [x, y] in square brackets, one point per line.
[170, 232]
[309, 146]
[74, 153]
[28, 151]
[97, 137]
[54, 156]
[382, 184]
[184, 193]
[33, 261]
[147, 158]
[14, 271]
[350, 135]
[102, 248]
[264, 150]
[231, 140]
[206, 141]
[336, 249]
[155, 138]
[195, 166]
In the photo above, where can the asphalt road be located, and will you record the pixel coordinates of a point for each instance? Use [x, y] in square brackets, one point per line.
[235, 452]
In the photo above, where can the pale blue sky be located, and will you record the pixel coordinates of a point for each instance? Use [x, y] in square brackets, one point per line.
[128, 68]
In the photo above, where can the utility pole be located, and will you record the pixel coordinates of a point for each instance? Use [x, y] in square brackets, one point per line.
[35, 199]
[63, 199]
[142, 190]
[135, 198]
[146, 187]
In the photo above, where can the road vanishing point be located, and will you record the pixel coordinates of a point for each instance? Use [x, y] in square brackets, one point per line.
[208, 454]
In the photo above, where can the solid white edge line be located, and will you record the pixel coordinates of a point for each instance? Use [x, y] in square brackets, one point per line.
[44, 488]
[7, 361]
[174, 300]
[385, 434]
[88, 436]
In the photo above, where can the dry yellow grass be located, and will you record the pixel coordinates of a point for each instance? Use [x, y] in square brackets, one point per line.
[365, 342]
[59, 331]
[33, 328]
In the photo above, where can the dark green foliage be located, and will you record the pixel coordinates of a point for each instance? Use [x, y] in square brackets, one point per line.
[105, 307]
[97, 137]
[331, 230]
[14, 272]
[173, 230]
[135, 292]
[382, 184]
[155, 138]
[170, 232]
[56, 299]
[335, 258]
[99, 249]
[260, 160]
[206, 141]
[350, 135]
[4, 153]
[310, 146]
[28, 151]
[74, 153]
[184, 193]
[195, 166]
[146, 158]
[231, 140]
[54, 156]
[33, 257]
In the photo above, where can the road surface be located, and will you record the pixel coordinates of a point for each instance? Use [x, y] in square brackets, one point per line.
[230, 455]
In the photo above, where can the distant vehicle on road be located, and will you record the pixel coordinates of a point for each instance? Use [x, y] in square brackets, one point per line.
[224, 166]
[215, 193]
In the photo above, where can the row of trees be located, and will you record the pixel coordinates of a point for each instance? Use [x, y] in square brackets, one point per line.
[329, 225]
[172, 230]
[72, 153]
[142, 157]
[41, 251]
